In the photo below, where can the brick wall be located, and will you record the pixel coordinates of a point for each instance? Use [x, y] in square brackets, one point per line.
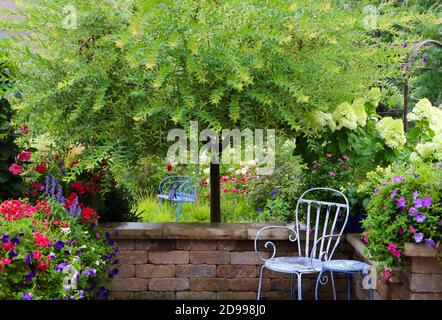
[203, 261]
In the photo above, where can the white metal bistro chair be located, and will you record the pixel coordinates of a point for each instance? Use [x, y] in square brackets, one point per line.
[321, 220]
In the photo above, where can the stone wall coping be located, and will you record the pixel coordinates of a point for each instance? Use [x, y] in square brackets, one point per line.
[410, 249]
[194, 231]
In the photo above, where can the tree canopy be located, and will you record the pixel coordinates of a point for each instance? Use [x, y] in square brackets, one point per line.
[117, 75]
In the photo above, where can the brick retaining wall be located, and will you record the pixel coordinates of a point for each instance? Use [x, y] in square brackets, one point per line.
[202, 261]
[422, 280]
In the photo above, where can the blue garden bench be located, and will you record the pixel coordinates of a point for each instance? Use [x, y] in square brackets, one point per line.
[177, 189]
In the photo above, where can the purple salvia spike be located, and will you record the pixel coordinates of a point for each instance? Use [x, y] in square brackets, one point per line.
[54, 185]
[48, 180]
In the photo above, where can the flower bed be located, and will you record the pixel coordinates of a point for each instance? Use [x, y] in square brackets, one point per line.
[51, 251]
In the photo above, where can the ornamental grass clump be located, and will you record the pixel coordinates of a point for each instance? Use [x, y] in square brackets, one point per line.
[47, 253]
[406, 207]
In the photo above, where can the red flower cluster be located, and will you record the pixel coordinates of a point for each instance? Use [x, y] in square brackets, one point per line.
[169, 167]
[14, 210]
[93, 187]
[41, 240]
[89, 215]
[70, 200]
[40, 168]
[24, 156]
[4, 262]
[79, 187]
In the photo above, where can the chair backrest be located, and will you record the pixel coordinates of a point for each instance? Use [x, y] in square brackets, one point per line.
[177, 187]
[319, 220]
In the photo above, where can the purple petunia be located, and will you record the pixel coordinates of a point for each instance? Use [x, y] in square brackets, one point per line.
[15, 241]
[427, 201]
[418, 203]
[397, 179]
[401, 202]
[376, 191]
[59, 244]
[430, 242]
[415, 175]
[27, 296]
[418, 236]
[12, 254]
[440, 222]
[415, 195]
[5, 238]
[60, 267]
[424, 59]
[29, 276]
[413, 211]
[28, 259]
[90, 272]
[393, 193]
[420, 218]
[81, 294]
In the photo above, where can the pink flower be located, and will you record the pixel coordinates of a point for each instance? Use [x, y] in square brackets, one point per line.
[234, 190]
[24, 156]
[314, 166]
[345, 158]
[15, 169]
[385, 274]
[225, 190]
[365, 239]
[332, 173]
[413, 230]
[328, 154]
[24, 129]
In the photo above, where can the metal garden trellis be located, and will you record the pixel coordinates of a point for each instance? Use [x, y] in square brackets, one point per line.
[410, 60]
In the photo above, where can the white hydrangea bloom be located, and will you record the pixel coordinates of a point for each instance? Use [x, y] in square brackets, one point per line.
[415, 158]
[359, 110]
[373, 96]
[392, 132]
[424, 111]
[345, 117]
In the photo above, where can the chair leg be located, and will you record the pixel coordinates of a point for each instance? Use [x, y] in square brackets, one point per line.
[292, 287]
[299, 286]
[260, 283]
[178, 211]
[317, 284]
[349, 286]
[333, 284]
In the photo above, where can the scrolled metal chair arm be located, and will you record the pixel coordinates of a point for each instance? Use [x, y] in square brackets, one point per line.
[292, 237]
[324, 254]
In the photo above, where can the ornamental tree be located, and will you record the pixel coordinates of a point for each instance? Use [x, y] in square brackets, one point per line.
[115, 76]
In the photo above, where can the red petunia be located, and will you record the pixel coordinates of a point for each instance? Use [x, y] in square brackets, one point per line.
[8, 246]
[169, 167]
[42, 265]
[41, 240]
[36, 254]
[40, 168]
[6, 261]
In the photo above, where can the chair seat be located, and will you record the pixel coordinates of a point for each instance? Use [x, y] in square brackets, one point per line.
[345, 265]
[293, 265]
